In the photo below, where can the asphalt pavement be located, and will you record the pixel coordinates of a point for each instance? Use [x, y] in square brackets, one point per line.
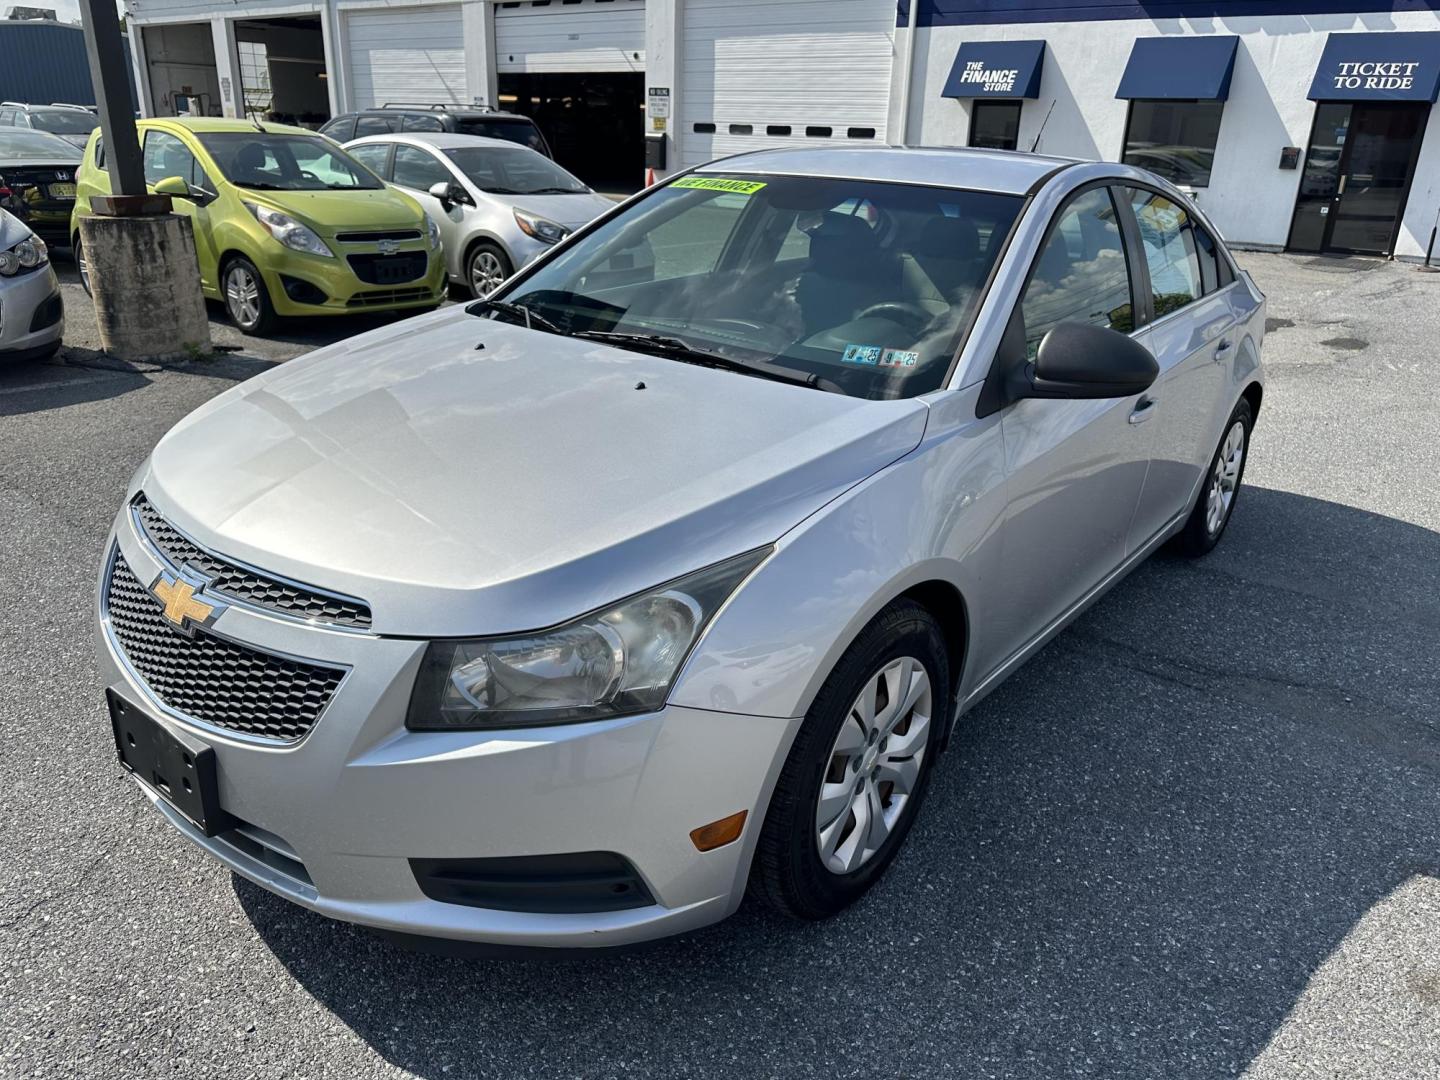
[1197, 836]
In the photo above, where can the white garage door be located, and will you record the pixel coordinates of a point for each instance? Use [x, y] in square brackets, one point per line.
[758, 73]
[591, 35]
[407, 54]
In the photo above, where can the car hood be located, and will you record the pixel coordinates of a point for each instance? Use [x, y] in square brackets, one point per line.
[329, 212]
[76, 139]
[463, 490]
[572, 211]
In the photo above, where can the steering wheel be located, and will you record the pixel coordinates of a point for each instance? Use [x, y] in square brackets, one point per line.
[902, 312]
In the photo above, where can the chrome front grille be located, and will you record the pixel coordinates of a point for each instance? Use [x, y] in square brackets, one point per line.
[208, 678]
[248, 586]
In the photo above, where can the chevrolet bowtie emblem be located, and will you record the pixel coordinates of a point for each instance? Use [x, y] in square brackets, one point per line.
[182, 609]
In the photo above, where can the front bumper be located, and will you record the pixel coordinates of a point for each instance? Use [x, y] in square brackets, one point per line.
[306, 285]
[359, 796]
[31, 313]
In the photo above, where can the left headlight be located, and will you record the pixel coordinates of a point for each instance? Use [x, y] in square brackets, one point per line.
[288, 231]
[29, 254]
[540, 228]
[434, 231]
[612, 663]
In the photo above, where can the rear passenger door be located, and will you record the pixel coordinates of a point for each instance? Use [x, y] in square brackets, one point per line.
[1188, 281]
[1074, 468]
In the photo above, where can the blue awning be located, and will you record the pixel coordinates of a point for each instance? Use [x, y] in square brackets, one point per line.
[1390, 66]
[1171, 68]
[1005, 69]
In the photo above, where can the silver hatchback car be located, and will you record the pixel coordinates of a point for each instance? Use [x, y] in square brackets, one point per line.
[558, 619]
[497, 205]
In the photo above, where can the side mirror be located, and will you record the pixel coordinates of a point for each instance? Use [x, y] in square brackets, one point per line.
[449, 194]
[175, 187]
[1079, 360]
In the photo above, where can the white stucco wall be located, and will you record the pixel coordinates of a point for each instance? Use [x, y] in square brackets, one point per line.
[1250, 197]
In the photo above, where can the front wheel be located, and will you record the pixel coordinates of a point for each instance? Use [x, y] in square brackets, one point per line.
[859, 769]
[82, 265]
[246, 298]
[1216, 503]
[486, 268]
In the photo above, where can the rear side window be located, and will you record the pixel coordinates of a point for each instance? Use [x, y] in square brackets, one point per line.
[373, 125]
[1081, 274]
[341, 129]
[374, 156]
[517, 131]
[421, 122]
[1168, 236]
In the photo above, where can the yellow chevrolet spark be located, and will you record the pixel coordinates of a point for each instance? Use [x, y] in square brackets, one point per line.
[286, 223]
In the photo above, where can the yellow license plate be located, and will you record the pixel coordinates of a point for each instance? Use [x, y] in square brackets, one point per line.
[62, 191]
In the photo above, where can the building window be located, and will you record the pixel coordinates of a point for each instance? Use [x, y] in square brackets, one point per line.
[1174, 139]
[255, 77]
[995, 125]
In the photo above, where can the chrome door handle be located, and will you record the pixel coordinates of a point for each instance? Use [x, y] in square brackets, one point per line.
[1223, 349]
[1144, 409]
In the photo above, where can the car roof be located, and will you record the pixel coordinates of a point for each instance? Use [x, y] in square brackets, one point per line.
[467, 111]
[439, 140]
[210, 124]
[1001, 171]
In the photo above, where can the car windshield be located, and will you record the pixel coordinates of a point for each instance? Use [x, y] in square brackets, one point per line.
[64, 121]
[846, 285]
[517, 131]
[18, 143]
[517, 171]
[267, 161]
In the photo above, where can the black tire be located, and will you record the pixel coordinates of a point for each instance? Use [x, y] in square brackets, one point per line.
[1202, 531]
[788, 872]
[256, 318]
[484, 262]
[81, 270]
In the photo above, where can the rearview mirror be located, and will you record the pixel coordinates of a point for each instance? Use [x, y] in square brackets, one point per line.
[1080, 360]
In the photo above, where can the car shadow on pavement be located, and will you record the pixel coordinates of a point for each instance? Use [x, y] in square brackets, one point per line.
[1135, 857]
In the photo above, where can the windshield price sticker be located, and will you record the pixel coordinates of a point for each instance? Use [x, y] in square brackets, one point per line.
[710, 183]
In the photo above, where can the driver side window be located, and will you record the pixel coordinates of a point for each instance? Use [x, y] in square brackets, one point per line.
[1081, 273]
[165, 156]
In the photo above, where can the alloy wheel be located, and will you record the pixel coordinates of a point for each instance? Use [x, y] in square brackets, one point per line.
[1225, 478]
[242, 296]
[874, 765]
[486, 273]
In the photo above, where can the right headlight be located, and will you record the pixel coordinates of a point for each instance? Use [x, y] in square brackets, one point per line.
[29, 254]
[612, 663]
[288, 231]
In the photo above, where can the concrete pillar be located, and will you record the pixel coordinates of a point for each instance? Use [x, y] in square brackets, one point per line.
[481, 75]
[145, 281]
[664, 48]
[227, 66]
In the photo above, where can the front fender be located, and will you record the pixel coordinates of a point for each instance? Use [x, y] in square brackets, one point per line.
[931, 516]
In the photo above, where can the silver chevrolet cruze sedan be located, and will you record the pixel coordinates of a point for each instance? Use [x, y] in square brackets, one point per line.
[558, 619]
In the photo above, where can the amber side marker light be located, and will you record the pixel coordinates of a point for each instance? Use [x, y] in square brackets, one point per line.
[719, 833]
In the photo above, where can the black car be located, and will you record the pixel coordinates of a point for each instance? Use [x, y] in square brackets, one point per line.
[466, 120]
[37, 181]
[73, 123]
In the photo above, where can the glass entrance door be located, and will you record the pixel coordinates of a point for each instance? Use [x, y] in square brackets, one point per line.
[1357, 176]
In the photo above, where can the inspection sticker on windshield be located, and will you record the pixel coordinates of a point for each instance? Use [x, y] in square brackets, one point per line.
[862, 354]
[899, 358]
[711, 183]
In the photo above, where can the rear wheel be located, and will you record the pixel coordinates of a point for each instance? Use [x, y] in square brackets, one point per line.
[246, 299]
[859, 769]
[486, 268]
[1221, 488]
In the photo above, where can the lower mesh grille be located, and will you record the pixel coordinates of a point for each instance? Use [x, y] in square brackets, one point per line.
[208, 678]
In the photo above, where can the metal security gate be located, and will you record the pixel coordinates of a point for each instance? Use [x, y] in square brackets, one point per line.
[406, 54]
[758, 73]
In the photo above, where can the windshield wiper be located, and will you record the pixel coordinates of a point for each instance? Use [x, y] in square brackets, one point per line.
[674, 348]
[553, 191]
[533, 320]
[501, 191]
[261, 185]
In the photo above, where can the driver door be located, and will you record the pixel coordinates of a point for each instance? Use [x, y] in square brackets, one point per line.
[418, 170]
[1074, 469]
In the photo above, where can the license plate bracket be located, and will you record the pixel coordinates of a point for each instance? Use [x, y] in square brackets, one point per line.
[180, 770]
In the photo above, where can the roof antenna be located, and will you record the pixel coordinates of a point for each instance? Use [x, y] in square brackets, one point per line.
[1048, 111]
